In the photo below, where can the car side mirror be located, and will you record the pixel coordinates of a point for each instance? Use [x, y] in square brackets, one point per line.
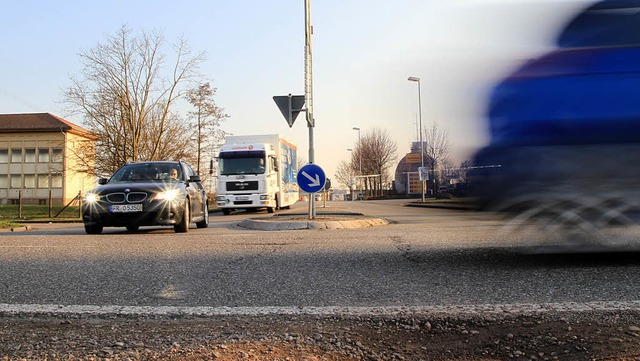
[194, 178]
[102, 181]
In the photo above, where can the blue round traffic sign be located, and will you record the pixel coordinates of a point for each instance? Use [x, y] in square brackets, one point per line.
[311, 178]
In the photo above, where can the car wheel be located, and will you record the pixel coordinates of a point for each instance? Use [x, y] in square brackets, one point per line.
[93, 229]
[183, 226]
[205, 222]
[226, 211]
[133, 228]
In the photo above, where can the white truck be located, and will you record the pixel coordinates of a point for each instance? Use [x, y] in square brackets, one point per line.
[257, 171]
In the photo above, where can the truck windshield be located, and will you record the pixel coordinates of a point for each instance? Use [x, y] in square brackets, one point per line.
[245, 162]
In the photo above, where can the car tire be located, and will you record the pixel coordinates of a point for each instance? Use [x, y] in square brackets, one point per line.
[183, 226]
[133, 228]
[93, 229]
[205, 221]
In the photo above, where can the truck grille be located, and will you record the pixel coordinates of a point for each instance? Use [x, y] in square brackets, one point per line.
[242, 186]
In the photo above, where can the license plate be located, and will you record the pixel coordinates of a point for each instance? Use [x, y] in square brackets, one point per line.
[242, 198]
[126, 208]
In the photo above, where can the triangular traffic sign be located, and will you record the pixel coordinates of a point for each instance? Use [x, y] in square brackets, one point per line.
[290, 106]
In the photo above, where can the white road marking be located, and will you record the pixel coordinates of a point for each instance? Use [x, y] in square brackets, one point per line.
[494, 310]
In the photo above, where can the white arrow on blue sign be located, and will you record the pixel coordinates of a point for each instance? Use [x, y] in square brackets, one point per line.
[311, 178]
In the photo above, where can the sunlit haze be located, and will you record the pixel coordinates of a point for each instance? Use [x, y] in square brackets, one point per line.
[363, 53]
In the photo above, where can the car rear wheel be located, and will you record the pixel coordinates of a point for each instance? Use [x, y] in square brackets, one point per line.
[205, 222]
[93, 229]
[183, 226]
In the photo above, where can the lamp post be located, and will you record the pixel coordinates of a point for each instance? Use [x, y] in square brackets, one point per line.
[417, 80]
[359, 151]
[352, 181]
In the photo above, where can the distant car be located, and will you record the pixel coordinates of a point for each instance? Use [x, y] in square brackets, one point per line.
[161, 193]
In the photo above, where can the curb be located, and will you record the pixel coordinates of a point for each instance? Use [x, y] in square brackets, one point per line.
[18, 229]
[273, 224]
[454, 206]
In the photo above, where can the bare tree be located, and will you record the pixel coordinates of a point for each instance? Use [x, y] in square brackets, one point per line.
[127, 100]
[376, 150]
[438, 148]
[301, 162]
[345, 172]
[208, 116]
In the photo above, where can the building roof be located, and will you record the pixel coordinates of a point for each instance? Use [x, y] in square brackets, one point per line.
[40, 122]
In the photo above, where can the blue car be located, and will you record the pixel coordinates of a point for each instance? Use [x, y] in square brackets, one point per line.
[565, 127]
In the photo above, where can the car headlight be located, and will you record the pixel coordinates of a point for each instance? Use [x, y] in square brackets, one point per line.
[91, 198]
[168, 195]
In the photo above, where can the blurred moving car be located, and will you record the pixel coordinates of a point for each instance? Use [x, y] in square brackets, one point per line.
[565, 128]
[443, 193]
[159, 193]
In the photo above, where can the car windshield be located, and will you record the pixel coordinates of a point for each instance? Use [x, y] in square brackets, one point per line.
[145, 172]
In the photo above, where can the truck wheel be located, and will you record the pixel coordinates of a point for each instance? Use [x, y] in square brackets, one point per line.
[183, 226]
[271, 209]
[226, 211]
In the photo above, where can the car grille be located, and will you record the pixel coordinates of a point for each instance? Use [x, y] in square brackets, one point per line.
[133, 197]
[242, 186]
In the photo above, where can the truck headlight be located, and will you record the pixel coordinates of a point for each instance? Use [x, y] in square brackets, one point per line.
[264, 197]
[220, 198]
[168, 195]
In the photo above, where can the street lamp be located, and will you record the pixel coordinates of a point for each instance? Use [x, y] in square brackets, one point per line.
[417, 80]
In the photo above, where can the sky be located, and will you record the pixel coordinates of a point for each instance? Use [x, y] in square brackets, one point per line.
[363, 53]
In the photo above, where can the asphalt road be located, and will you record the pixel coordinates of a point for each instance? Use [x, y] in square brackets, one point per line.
[426, 257]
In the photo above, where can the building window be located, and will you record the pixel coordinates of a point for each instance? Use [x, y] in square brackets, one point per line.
[4, 155]
[29, 180]
[29, 155]
[56, 181]
[16, 155]
[56, 155]
[16, 181]
[43, 181]
[4, 181]
[43, 155]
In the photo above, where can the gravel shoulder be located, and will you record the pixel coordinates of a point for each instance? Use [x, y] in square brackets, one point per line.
[549, 336]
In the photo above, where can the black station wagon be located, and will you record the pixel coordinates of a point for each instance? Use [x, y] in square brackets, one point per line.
[147, 194]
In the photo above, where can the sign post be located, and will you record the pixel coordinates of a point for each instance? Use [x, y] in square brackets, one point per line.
[291, 105]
